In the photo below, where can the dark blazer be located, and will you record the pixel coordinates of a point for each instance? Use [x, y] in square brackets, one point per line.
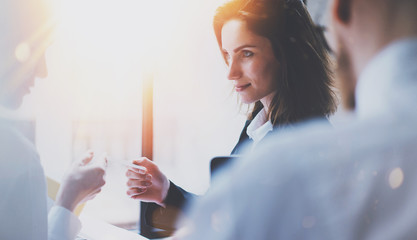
[157, 221]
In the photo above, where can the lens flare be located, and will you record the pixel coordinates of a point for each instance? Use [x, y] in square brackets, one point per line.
[396, 178]
[22, 52]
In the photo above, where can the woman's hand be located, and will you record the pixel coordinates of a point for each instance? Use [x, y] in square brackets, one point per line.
[149, 184]
[82, 182]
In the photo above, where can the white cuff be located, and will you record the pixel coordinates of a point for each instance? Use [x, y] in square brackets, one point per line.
[62, 224]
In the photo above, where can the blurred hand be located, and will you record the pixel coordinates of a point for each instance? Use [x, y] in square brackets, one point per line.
[82, 182]
[149, 184]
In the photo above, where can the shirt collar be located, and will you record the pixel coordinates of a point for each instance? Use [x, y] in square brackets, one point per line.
[388, 78]
[259, 127]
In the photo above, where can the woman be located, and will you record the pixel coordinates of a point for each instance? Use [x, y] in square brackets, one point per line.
[23, 188]
[277, 63]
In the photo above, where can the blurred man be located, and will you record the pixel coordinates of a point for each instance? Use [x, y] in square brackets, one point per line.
[357, 182]
[26, 26]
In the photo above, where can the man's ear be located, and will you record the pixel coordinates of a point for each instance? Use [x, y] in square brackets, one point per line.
[342, 10]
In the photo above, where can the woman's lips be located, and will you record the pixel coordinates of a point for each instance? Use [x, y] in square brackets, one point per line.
[242, 87]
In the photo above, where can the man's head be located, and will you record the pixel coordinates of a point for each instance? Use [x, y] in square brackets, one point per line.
[26, 26]
[361, 29]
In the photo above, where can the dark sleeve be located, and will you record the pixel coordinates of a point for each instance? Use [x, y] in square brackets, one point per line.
[157, 221]
[238, 149]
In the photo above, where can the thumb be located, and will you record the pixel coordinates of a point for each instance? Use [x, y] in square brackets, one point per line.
[101, 161]
[143, 161]
[87, 158]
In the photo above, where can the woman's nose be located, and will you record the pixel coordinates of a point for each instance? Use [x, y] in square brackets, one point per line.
[235, 71]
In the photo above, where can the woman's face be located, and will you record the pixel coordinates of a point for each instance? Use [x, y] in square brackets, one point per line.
[24, 48]
[18, 81]
[253, 67]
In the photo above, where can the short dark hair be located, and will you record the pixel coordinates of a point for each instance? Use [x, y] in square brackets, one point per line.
[304, 89]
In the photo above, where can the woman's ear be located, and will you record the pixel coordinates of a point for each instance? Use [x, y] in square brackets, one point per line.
[342, 10]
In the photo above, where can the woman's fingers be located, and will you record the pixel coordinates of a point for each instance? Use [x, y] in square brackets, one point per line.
[144, 163]
[136, 196]
[132, 192]
[134, 183]
[141, 161]
[138, 169]
[87, 158]
[138, 176]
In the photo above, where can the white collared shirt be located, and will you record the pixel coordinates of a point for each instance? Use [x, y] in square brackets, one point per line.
[23, 201]
[314, 182]
[259, 127]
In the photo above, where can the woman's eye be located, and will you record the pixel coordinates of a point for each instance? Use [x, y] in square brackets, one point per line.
[247, 53]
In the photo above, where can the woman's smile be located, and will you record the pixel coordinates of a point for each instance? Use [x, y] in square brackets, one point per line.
[241, 87]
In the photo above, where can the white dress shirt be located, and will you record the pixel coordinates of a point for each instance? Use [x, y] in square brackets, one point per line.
[314, 182]
[23, 197]
[259, 127]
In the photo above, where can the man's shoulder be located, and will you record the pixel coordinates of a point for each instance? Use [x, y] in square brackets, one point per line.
[316, 134]
[313, 131]
[16, 152]
[317, 145]
[10, 137]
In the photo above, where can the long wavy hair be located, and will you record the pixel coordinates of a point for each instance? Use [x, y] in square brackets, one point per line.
[304, 87]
